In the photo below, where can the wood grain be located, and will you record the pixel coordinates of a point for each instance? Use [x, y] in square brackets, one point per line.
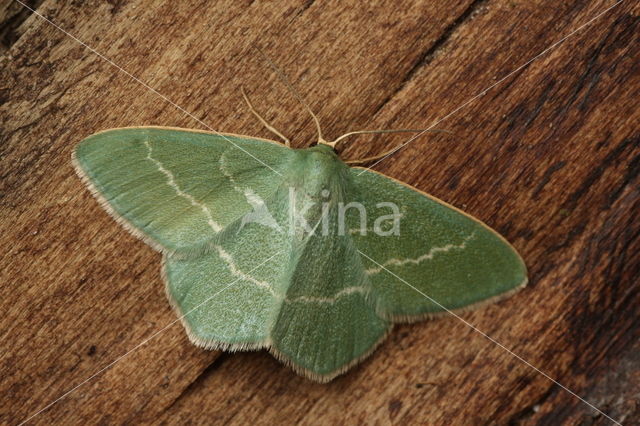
[549, 157]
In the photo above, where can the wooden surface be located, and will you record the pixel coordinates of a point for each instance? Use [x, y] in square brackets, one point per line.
[549, 157]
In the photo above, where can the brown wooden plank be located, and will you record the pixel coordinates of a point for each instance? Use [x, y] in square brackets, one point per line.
[549, 157]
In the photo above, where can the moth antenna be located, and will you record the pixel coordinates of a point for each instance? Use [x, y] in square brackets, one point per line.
[283, 78]
[264, 122]
[360, 132]
[366, 160]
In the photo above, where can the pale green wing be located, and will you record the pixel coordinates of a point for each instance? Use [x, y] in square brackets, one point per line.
[452, 260]
[229, 297]
[326, 323]
[304, 297]
[177, 188]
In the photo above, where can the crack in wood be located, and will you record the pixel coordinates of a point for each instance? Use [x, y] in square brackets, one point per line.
[428, 54]
[11, 18]
[199, 379]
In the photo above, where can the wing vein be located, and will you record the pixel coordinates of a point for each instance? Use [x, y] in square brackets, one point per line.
[427, 256]
[332, 299]
[172, 183]
[235, 271]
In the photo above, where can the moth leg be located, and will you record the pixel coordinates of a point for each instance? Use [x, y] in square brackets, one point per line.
[266, 124]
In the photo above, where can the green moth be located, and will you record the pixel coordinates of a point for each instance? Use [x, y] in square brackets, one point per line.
[291, 250]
